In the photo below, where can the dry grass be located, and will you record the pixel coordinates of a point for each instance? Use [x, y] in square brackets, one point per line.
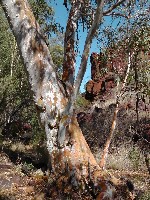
[128, 162]
[128, 158]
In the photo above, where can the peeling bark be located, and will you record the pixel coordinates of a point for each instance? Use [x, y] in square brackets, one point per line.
[69, 42]
[68, 150]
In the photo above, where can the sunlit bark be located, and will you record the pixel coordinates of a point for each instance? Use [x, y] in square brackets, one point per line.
[66, 145]
[49, 96]
[47, 91]
[69, 43]
[109, 139]
[14, 47]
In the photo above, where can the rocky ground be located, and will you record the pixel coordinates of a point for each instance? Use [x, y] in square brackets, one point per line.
[24, 181]
[23, 167]
[23, 163]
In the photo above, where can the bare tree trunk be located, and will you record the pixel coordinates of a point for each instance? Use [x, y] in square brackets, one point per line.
[109, 138]
[14, 47]
[114, 122]
[69, 43]
[71, 158]
[74, 154]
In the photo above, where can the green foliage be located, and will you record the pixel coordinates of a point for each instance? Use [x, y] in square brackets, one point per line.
[6, 39]
[140, 71]
[15, 98]
[28, 167]
[134, 156]
[57, 53]
[44, 14]
[81, 102]
[145, 196]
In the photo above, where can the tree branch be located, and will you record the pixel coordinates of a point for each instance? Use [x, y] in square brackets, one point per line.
[14, 48]
[117, 14]
[113, 7]
[47, 91]
[109, 138]
[69, 54]
[90, 36]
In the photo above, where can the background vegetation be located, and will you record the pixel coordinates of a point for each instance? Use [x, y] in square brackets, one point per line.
[20, 131]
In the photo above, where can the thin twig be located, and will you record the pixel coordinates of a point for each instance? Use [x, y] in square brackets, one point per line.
[13, 57]
[117, 14]
[113, 7]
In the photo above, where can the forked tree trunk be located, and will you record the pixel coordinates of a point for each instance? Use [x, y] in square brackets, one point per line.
[71, 158]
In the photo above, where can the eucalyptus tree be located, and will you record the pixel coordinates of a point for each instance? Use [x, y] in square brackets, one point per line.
[127, 50]
[12, 76]
[15, 98]
[70, 157]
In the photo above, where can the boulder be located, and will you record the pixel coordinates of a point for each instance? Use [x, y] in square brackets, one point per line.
[99, 87]
[100, 82]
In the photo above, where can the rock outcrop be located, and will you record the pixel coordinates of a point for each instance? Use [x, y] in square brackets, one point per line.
[102, 77]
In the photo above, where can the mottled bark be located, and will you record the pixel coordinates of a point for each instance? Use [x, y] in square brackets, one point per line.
[69, 43]
[68, 150]
[48, 92]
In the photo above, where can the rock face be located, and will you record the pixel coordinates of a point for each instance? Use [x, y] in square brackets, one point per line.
[102, 77]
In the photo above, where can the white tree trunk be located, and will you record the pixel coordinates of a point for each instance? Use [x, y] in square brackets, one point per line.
[67, 147]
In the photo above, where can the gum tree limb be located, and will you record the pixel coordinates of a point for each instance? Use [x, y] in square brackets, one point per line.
[47, 90]
[96, 22]
[69, 43]
[114, 6]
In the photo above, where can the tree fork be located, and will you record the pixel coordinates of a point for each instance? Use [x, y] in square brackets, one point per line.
[74, 154]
